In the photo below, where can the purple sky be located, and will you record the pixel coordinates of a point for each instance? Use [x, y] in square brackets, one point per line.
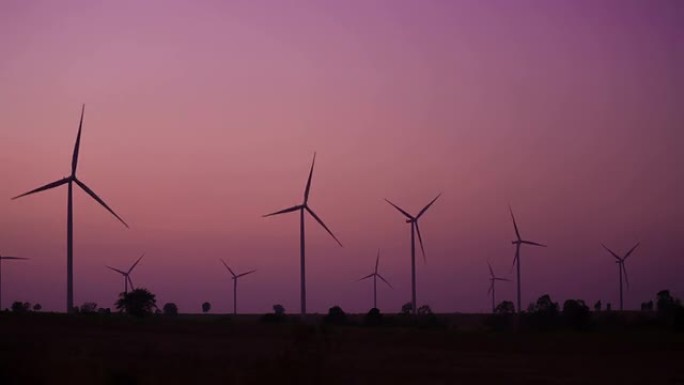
[201, 116]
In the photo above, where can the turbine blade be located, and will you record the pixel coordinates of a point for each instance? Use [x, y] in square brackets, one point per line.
[400, 210]
[533, 243]
[117, 270]
[420, 240]
[15, 258]
[287, 210]
[46, 187]
[491, 286]
[502, 279]
[385, 281]
[136, 263]
[243, 274]
[491, 271]
[428, 206]
[624, 271]
[515, 225]
[77, 146]
[99, 200]
[308, 181]
[517, 255]
[366, 277]
[377, 261]
[630, 251]
[611, 251]
[227, 267]
[323, 224]
[130, 281]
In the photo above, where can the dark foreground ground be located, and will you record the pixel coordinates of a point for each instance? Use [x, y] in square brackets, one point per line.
[82, 349]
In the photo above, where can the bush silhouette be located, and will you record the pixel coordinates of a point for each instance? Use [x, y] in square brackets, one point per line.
[170, 309]
[37, 307]
[88, 307]
[407, 308]
[138, 302]
[21, 307]
[543, 314]
[279, 310]
[505, 307]
[335, 316]
[206, 307]
[576, 314]
[373, 317]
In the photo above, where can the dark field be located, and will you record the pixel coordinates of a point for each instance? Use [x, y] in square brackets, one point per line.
[97, 349]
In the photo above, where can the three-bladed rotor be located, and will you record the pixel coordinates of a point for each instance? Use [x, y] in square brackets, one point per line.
[414, 220]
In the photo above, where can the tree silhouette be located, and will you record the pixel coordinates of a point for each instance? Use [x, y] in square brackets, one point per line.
[206, 307]
[373, 317]
[279, 310]
[336, 316]
[37, 307]
[505, 307]
[597, 306]
[88, 307]
[21, 307]
[170, 309]
[576, 314]
[407, 308]
[138, 302]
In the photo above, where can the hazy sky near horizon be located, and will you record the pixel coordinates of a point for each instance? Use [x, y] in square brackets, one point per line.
[201, 116]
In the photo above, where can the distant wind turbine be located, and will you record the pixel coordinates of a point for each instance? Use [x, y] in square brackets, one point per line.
[2, 258]
[302, 208]
[235, 280]
[516, 260]
[414, 229]
[375, 276]
[621, 267]
[69, 181]
[127, 274]
[492, 285]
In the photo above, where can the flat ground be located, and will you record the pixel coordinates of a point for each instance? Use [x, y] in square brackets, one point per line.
[82, 349]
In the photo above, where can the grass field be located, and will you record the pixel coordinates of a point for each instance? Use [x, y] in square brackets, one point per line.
[41, 348]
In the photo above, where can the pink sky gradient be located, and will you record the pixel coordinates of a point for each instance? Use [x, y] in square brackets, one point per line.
[201, 116]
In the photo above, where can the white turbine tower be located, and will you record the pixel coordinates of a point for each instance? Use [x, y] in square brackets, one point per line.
[375, 276]
[235, 281]
[414, 230]
[304, 207]
[69, 181]
[127, 274]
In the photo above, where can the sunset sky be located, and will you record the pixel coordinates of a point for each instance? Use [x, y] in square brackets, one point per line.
[201, 116]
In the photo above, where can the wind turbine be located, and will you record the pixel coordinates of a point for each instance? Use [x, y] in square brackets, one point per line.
[2, 258]
[516, 260]
[375, 276]
[492, 287]
[414, 229]
[235, 280]
[302, 208]
[127, 274]
[621, 266]
[69, 181]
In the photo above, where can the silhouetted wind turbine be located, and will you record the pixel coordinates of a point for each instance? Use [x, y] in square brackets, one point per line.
[302, 208]
[414, 229]
[235, 280]
[127, 274]
[621, 267]
[492, 287]
[2, 258]
[375, 276]
[69, 181]
[516, 260]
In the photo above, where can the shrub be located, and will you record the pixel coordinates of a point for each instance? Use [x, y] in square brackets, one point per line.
[138, 302]
[21, 307]
[576, 314]
[335, 316]
[373, 317]
[206, 307]
[170, 309]
[88, 307]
